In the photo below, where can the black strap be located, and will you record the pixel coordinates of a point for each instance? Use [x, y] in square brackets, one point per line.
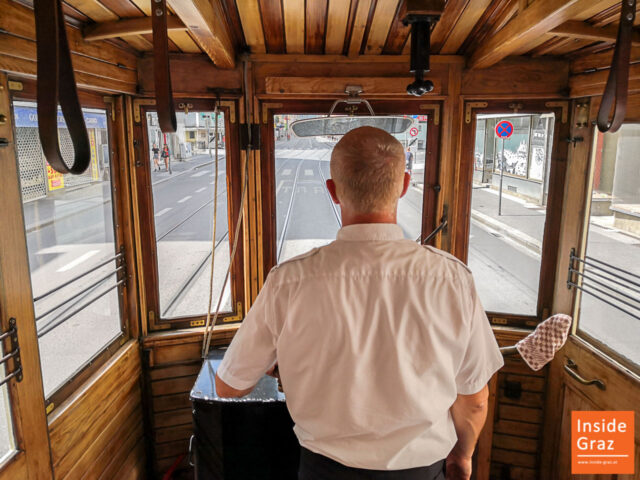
[617, 88]
[56, 82]
[161, 71]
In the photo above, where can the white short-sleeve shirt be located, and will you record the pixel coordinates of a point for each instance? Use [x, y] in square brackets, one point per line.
[374, 336]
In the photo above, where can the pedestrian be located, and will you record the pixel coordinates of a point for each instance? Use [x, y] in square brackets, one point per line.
[156, 157]
[382, 346]
[408, 160]
[167, 158]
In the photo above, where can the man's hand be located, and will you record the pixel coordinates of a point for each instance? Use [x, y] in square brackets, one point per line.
[458, 466]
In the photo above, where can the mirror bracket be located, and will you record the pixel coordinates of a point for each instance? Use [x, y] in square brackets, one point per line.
[353, 101]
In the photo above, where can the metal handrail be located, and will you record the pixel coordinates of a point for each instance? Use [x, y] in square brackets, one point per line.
[50, 326]
[73, 297]
[92, 269]
[602, 284]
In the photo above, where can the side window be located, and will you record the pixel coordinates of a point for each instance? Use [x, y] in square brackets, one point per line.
[608, 275]
[508, 210]
[183, 185]
[76, 268]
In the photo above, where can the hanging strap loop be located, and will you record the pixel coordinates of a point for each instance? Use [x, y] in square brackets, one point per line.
[161, 69]
[617, 88]
[56, 82]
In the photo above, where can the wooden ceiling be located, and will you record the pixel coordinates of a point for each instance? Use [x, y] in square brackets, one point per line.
[485, 31]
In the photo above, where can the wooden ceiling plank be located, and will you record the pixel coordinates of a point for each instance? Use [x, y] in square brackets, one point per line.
[273, 25]
[527, 29]
[398, 32]
[93, 9]
[494, 18]
[380, 26]
[207, 23]
[123, 8]
[139, 43]
[463, 27]
[577, 29]
[337, 18]
[184, 41]
[359, 26]
[453, 9]
[294, 17]
[315, 26]
[252, 25]
[126, 27]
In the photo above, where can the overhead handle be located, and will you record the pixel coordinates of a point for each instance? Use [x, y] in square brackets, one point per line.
[56, 83]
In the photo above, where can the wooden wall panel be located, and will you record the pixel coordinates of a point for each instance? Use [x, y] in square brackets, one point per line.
[95, 430]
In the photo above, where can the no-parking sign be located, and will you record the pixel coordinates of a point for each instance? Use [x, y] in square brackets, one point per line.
[504, 129]
[413, 132]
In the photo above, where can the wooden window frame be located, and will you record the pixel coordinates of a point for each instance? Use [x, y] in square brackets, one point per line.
[121, 211]
[141, 173]
[557, 174]
[432, 109]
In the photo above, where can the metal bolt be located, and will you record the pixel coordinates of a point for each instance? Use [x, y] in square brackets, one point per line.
[159, 12]
[629, 16]
[630, 2]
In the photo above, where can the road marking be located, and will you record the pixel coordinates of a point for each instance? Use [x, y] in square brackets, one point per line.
[308, 172]
[182, 200]
[199, 174]
[163, 211]
[286, 171]
[212, 183]
[77, 261]
[201, 189]
[279, 186]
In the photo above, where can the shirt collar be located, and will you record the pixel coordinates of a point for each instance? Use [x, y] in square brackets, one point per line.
[363, 232]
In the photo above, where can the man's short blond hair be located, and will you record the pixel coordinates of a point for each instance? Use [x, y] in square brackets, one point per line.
[367, 166]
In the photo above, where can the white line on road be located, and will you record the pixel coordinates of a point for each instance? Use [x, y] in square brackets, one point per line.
[286, 171]
[77, 261]
[279, 186]
[199, 174]
[308, 172]
[201, 189]
[163, 211]
[182, 200]
[212, 183]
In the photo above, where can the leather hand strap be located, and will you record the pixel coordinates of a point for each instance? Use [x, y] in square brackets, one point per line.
[617, 88]
[161, 72]
[56, 82]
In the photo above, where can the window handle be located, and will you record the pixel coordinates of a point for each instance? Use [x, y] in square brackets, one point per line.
[571, 367]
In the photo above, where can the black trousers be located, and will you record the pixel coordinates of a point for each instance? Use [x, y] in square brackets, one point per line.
[318, 467]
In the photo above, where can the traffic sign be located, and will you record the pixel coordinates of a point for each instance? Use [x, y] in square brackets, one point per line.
[413, 132]
[504, 129]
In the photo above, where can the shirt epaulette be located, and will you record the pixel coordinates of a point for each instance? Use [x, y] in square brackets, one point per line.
[448, 256]
[302, 256]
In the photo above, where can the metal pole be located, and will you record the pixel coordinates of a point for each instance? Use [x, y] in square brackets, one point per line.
[501, 177]
[208, 117]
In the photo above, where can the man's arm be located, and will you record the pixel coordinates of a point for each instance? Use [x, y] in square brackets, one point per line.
[224, 390]
[469, 413]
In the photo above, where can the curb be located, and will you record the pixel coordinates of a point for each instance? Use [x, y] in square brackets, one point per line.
[49, 222]
[530, 243]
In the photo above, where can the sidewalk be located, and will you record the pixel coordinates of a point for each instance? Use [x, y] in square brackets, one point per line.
[520, 221]
[65, 203]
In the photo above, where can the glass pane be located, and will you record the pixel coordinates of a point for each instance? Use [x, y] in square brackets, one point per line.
[507, 224]
[306, 216]
[7, 440]
[182, 176]
[614, 238]
[69, 228]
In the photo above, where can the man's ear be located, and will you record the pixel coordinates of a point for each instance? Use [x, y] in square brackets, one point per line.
[331, 186]
[405, 184]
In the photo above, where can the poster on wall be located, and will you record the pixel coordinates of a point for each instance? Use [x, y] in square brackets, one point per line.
[55, 180]
[94, 156]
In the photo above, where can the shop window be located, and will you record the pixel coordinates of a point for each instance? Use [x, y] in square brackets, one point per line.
[75, 263]
[182, 177]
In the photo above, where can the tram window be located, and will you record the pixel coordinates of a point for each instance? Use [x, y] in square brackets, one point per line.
[306, 217]
[507, 224]
[183, 198]
[7, 441]
[613, 237]
[70, 240]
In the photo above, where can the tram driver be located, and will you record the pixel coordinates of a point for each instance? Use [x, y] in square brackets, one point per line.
[382, 345]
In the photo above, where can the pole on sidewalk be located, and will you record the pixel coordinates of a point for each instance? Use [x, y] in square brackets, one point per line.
[501, 177]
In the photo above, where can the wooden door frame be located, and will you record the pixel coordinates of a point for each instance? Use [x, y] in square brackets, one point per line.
[429, 107]
[32, 456]
[146, 245]
[557, 176]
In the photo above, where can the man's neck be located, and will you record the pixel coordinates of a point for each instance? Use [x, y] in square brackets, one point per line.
[349, 218]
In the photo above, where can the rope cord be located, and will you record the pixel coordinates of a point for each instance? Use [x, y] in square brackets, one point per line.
[206, 341]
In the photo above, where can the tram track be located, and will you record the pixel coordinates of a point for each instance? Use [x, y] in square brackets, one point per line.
[288, 214]
[334, 207]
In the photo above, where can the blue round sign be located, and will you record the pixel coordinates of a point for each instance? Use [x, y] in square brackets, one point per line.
[504, 129]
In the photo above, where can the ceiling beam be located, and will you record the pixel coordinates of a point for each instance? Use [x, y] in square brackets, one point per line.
[207, 23]
[576, 29]
[126, 27]
[529, 26]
